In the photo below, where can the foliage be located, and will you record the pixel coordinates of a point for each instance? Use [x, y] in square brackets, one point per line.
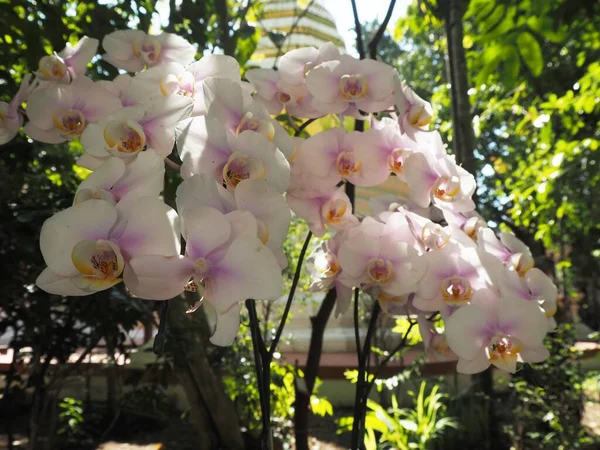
[70, 417]
[546, 399]
[417, 427]
[240, 384]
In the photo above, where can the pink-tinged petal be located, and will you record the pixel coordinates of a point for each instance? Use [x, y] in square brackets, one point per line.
[293, 65]
[144, 177]
[44, 103]
[104, 177]
[542, 287]
[534, 354]
[163, 115]
[355, 252]
[265, 81]
[268, 206]
[248, 270]
[9, 127]
[476, 365]
[221, 66]
[322, 82]
[152, 229]
[277, 167]
[375, 105]
[52, 283]
[309, 209]
[400, 99]
[381, 79]
[151, 83]
[203, 146]
[93, 141]
[92, 220]
[158, 277]
[90, 162]
[513, 244]
[243, 223]
[488, 241]
[174, 48]
[325, 148]
[119, 44]
[463, 331]
[372, 151]
[524, 320]
[420, 177]
[40, 135]
[205, 230]
[227, 327]
[130, 65]
[224, 100]
[203, 190]
[343, 298]
[78, 57]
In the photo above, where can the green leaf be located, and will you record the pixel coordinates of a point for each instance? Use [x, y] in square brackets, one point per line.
[531, 52]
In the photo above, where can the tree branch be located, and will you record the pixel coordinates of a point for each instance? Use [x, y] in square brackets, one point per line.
[358, 28]
[374, 42]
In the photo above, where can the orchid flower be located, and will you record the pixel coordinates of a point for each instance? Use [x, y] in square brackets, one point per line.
[371, 259]
[230, 267]
[324, 268]
[61, 113]
[499, 331]
[535, 287]
[513, 253]
[339, 84]
[295, 65]
[414, 113]
[123, 184]
[256, 196]
[469, 222]
[70, 63]
[441, 179]
[88, 246]
[131, 130]
[334, 150]
[173, 78]
[206, 147]
[132, 50]
[451, 280]
[272, 92]
[322, 208]
[383, 151]
[11, 119]
[435, 343]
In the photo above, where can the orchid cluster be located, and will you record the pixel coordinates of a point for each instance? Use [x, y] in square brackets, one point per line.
[420, 253]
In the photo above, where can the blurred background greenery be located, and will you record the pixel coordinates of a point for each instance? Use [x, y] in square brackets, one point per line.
[533, 76]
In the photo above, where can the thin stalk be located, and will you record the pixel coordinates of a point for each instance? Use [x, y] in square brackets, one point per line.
[290, 298]
[262, 366]
[358, 28]
[362, 382]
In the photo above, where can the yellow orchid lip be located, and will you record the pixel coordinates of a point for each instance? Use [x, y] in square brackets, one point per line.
[346, 164]
[327, 265]
[334, 210]
[99, 263]
[353, 87]
[456, 291]
[379, 270]
[434, 236]
[396, 160]
[125, 137]
[52, 67]
[446, 188]
[70, 124]
[251, 123]
[503, 351]
[241, 167]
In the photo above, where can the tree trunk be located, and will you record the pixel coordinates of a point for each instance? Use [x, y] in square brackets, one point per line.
[463, 138]
[305, 390]
[212, 413]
